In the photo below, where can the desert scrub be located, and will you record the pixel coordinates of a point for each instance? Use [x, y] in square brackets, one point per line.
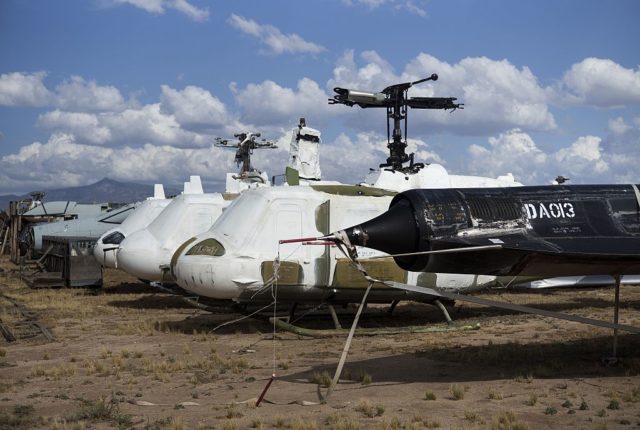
[532, 400]
[524, 379]
[633, 396]
[22, 416]
[232, 412]
[507, 420]
[103, 409]
[341, 422]
[429, 395]
[365, 378]
[472, 416]
[323, 379]
[229, 424]
[457, 392]
[495, 395]
[613, 405]
[55, 372]
[301, 424]
[370, 410]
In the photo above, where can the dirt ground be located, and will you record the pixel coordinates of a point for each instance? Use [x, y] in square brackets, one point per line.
[128, 356]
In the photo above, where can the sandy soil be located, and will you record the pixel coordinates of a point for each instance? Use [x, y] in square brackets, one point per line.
[127, 356]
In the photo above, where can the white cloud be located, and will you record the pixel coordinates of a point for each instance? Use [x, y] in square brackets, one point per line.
[61, 161]
[195, 106]
[159, 7]
[149, 125]
[85, 126]
[77, 93]
[128, 127]
[369, 3]
[273, 38]
[513, 151]
[268, 103]
[583, 157]
[584, 161]
[496, 94]
[412, 6]
[349, 160]
[618, 126]
[23, 89]
[375, 75]
[622, 145]
[190, 117]
[193, 12]
[599, 82]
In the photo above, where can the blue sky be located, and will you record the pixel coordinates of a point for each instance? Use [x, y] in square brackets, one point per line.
[138, 89]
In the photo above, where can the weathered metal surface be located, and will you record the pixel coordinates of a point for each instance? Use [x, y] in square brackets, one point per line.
[543, 231]
[73, 257]
[289, 273]
[347, 276]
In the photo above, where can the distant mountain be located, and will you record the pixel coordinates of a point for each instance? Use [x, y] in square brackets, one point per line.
[105, 190]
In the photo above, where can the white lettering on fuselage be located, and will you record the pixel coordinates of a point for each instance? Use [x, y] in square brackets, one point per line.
[549, 210]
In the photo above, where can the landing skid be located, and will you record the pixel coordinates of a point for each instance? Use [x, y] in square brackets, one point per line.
[282, 324]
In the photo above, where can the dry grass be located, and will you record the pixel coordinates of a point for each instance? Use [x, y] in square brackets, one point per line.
[457, 392]
[507, 420]
[370, 410]
[150, 348]
[495, 395]
[55, 372]
[321, 378]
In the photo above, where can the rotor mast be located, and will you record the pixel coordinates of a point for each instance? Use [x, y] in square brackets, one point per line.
[244, 146]
[395, 99]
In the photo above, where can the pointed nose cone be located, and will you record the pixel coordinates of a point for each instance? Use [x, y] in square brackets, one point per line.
[394, 232]
[141, 255]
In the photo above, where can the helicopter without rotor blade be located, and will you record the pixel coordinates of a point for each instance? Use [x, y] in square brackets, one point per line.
[146, 253]
[108, 245]
[396, 101]
[234, 259]
[541, 231]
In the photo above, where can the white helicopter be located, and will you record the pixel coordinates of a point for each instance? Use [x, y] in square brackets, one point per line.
[235, 259]
[147, 253]
[107, 245]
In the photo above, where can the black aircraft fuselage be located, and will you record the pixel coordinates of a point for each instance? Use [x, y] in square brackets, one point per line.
[541, 231]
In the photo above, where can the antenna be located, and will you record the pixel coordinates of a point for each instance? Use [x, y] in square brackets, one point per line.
[395, 99]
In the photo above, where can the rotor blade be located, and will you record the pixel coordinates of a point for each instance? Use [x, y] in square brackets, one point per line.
[433, 103]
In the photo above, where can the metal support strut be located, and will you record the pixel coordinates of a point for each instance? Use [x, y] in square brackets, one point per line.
[444, 310]
[334, 316]
[616, 310]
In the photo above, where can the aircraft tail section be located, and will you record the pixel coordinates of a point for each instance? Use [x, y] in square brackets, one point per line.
[195, 185]
[158, 192]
